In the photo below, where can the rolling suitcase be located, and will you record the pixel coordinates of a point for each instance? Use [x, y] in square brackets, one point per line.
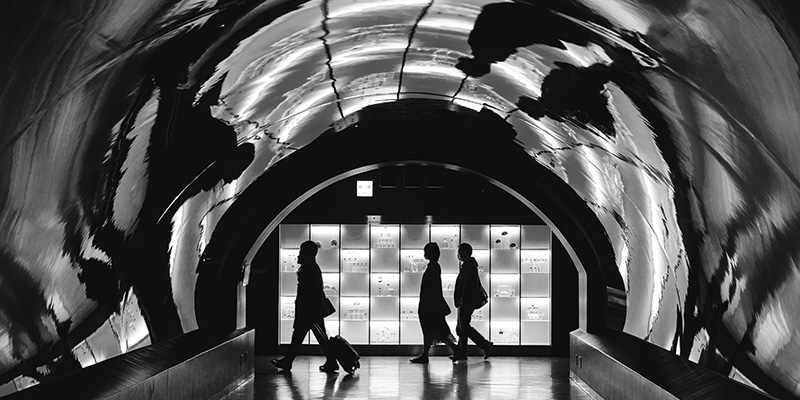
[345, 354]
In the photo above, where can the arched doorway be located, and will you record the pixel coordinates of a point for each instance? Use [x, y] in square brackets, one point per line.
[418, 131]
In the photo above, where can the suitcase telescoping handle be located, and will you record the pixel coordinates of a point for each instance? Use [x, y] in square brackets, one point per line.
[319, 330]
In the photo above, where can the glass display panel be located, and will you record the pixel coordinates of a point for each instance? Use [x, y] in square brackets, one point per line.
[355, 237]
[288, 284]
[505, 309]
[354, 308]
[410, 283]
[505, 333]
[480, 326]
[535, 261]
[448, 260]
[505, 261]
[448, 284]
[328, 260]
[410, 332]
[451, 303]
[289, 260]
[535, 285]
[355, 260]
[481, 314]
[384, 236]
[376, 293]
[326, 236]
[385, 308]
[535, 309]
[535, 237]
[505, 285]
[293, 235]
[482, 257]
[385, 260]
[505, 237]
[286, 332]
[330, 284]
[413, 261]
[355, 284]
[408, 309]
[414, 236]
[446, 236]
[535, 333]
[385, 285]
[356, 332]
[476, 235]
[384, 332]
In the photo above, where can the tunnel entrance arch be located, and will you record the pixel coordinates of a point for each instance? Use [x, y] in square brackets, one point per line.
[432, 132]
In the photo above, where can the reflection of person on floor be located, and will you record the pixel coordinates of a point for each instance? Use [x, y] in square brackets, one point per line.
[432, 307]
[466, 296]
[308, 306]
[575, 94]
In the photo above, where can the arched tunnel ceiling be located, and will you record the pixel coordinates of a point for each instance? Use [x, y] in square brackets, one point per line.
[675, 122]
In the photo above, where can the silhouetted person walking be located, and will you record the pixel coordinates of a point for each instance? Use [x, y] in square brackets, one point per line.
[467, 298]
[308, 305]
[432, 307]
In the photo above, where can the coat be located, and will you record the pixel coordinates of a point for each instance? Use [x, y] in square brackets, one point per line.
[310, 296]
[431, 301]
[466, 290]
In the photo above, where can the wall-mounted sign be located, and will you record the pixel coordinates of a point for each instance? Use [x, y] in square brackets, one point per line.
[364, 188]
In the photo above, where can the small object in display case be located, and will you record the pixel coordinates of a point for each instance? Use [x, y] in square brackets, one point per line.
[329, 290]
[504, 291]
[287, 311]
[506, 336]
[409, 315]
[356, 313]
[534, 313]
[535, 261]
[477, 315]
[289, 262]
[414, 263]
[387, 290]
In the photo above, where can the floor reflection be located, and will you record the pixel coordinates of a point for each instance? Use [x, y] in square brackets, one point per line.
[396, 378]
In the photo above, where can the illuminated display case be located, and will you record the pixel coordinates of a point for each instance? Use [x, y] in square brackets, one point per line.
[372, 275]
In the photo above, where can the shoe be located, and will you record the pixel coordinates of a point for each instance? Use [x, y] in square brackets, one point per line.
[329, 367]
[282, 364]
[459, 357]
[487, 351]
[419, 360]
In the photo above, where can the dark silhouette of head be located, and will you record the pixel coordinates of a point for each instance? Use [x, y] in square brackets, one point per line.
[432, 251]
[464, 251]
[308, 252]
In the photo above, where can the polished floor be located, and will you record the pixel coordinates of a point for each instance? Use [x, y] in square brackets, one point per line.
[396, 378]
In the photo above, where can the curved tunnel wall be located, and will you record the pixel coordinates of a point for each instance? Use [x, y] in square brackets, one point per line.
[128, 129]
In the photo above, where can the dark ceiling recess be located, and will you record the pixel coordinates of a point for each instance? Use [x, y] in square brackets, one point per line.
[412, 176]
[388, 177]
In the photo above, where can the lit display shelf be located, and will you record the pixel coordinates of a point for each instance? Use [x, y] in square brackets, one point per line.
[372, 274]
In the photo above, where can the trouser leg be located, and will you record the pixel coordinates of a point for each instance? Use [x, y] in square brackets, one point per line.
[427, 342]
[322, 338]
[466, 331]
[462, 322]
[294, 346]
